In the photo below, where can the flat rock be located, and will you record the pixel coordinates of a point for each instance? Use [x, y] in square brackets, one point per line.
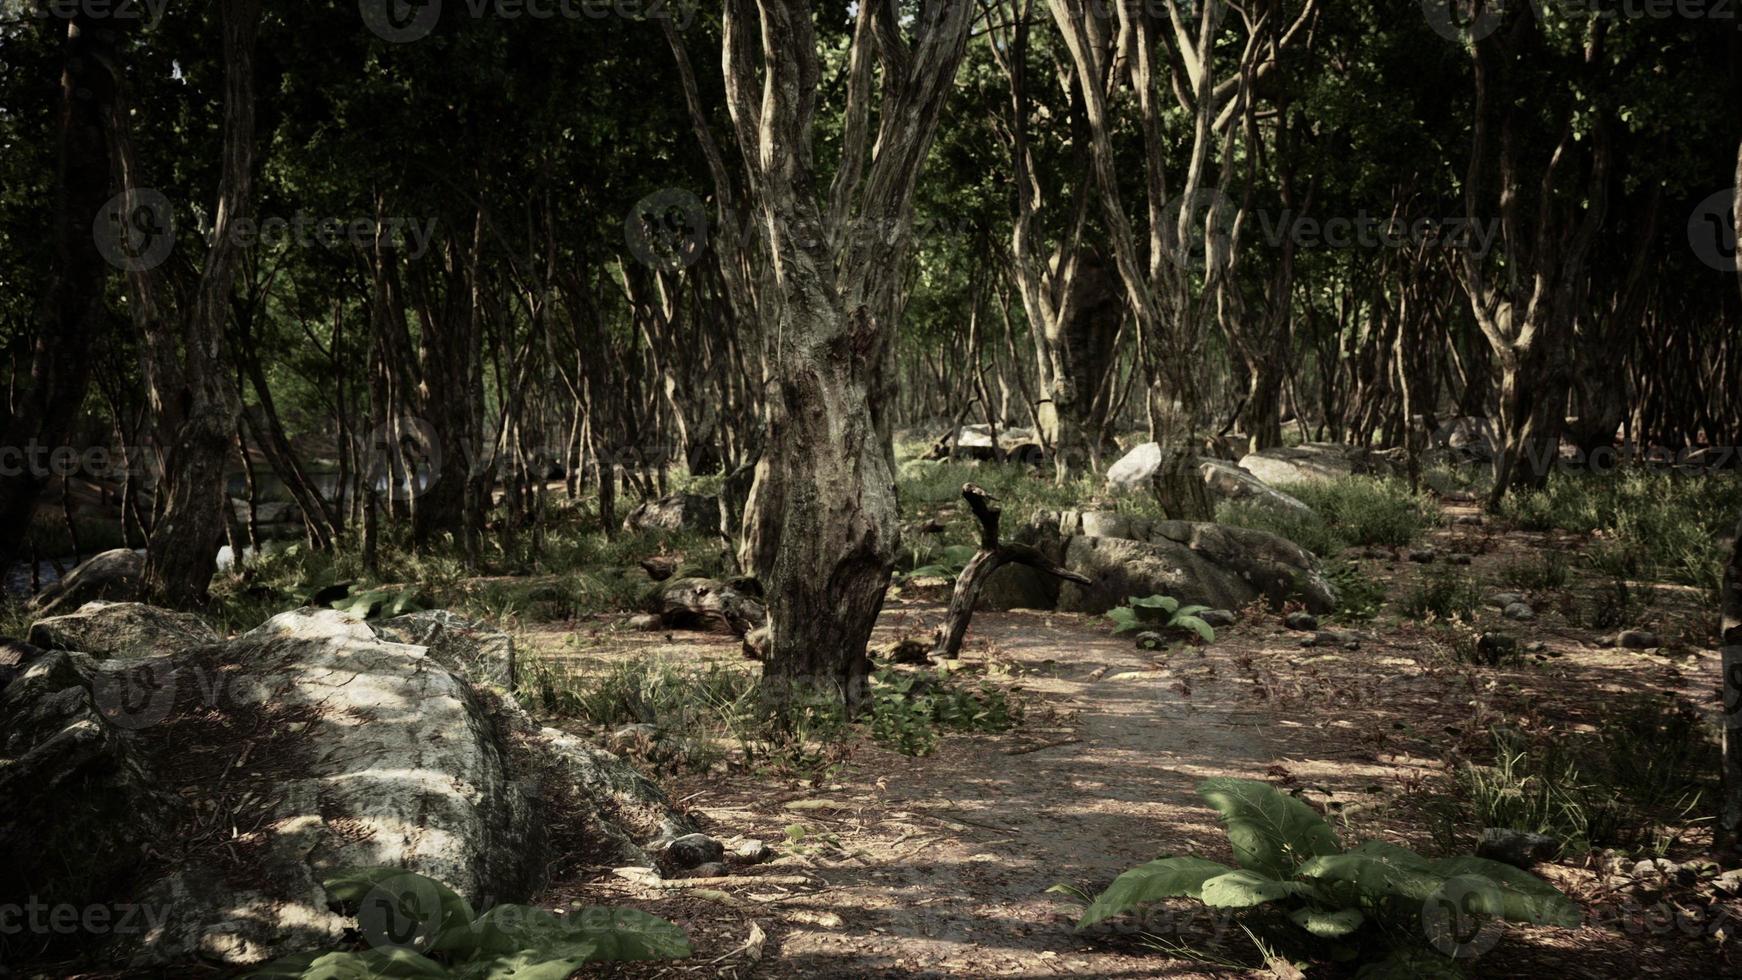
[1520, 611]
[1303, 621]
[1315, 462]
[692, 850]
[122, 630]
[480, 652]
[1224, 480]
[1638, 640]
[677, 512]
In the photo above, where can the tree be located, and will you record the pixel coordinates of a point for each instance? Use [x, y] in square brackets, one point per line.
[833, 304]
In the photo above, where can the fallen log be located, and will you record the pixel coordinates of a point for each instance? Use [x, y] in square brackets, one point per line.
[992, 555]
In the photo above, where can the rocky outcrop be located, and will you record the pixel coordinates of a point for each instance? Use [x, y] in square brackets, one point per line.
[122, 630]
[704, 604]
[253, 768]
[1197, 563]
[1224, 480]
[1316, 461]
[117, 575]
[678, 512]
[477, 651]
[975, 442]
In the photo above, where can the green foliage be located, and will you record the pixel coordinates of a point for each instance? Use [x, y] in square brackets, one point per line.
[422, 928]
[910, 708]
[1289, 858]
[1160, 612]
[1443, 594]
[1348, 512]
[1309, 531]
[1545, 570]
[946, 563]
[1359, 596]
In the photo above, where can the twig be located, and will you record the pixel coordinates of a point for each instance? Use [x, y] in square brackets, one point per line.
[1042, 747]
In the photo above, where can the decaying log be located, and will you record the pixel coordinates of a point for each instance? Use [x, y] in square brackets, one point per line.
[991, 556]
[704, 603]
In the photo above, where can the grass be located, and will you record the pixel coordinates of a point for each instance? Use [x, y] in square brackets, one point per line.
[1648, 524]
[1353, 511]
[1647, 765]
[1443, 594]
[1546, 570]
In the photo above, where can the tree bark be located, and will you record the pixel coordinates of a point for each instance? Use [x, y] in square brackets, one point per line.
[947, 644]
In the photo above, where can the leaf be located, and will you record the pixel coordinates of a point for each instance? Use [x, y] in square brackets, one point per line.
[960, 554]
[1190, 610]
[1244, 889]
[1328, 925]
[557, 963]
[370, 964]
[1511, 893]
[1405, 963]
[613, 934]
[1197, 626]
[396, 907]
[1123, 619]
[1166, 604]
[1166, 878]
[1270, 831]
[1374, 875]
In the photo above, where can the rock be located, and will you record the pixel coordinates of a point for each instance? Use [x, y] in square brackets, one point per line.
[1014, 586]
[1150, 640]
[477, 651]
[632, 738]
[1638, 640]
[332, 746]
[1469, 520]
[660, 567]
[1315, 461]
[1197, 563]
[1495, 648]
[704, 604]
[749, 851]
[1470, 438]
[1501, 600]
[713, 869]
[15, 656]
[1218, 618]
[122, 630]
[1459, 559]
[1423, 556]
[975, 442]
[1519, 611]
[1303, 621]
[117, 576]
[1224, 480]
[646, 622]
[678, 512]
[1518, 848]
[908, 651]
[691, 850]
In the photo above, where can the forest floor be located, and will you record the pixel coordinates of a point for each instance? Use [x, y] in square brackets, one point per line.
[939, 865]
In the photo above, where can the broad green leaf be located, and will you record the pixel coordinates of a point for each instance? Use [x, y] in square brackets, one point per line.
[370, 964]
[556, 963]
[1271, 832]
[1166, 878]
[1123, 619]
[1328, 925]
[1411, 964]
[401, 908]
[1374, 876]
[1403, 857]
[615, 934]
[1166, 604]
[1190, 610]
[960, 554]
[1510, 893]
[1197, 626]
[1244, 889]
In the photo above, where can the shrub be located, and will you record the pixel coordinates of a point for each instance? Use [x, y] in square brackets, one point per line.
[908, 709]
[1160, 612]
[1358, 903]
[1359, 597]
[1547, 570]
[1443, 594]
[1347, 512]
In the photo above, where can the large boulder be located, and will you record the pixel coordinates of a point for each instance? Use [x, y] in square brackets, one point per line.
[704, 604]
[254, 768]
[1316, 461]
[975, 442]
[1224, 480]
[678, 512]
[114, 575]
[479, 652]
[122, 630]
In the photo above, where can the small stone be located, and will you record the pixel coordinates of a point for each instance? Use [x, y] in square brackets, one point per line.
[1518, 848]
[713, 869]
[749, 851]
[1536, 647]
[646, 622]
[1334, 638]
[1304, 621]
[1503, 599]
[1519, 611]
[1423, 556]
[692, 850]
[1638, 640]
[1469, 520]
[631, 737]
[1150, 640]
[1459, 559]
[1494, 648]
[1217, 618]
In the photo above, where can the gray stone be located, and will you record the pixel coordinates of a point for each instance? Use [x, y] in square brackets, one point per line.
[1303, 621]
[1218, 618]
[1501, 600]
[1150, 640]
[750, 850]
[712, 869]
[1315, 461]
[117, 575]
[1469, 520]
[1520, 611]
[1459, 559]
[646, 622]
[678, 512]
[1423, 556]
[1518, 848]
[691, 850]
[480, 652]
[632, 738]
[122, 630]
[1224, 480]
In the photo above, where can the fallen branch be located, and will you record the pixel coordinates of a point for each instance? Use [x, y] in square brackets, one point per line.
[650, 879]
[1043, 746]
[947, 645]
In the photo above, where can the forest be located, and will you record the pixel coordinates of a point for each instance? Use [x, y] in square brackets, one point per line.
[887, 488]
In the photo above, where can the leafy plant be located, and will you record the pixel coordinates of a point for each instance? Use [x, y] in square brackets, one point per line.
[947, 564]
[419, 927]
[1289, 858]
[1160, 612]
[1443, 594]
[909, 708]
[1359, 597]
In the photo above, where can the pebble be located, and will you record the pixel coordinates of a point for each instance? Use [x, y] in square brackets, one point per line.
[1423, 556]
[1519, 611]
[1217, 617]
[1304, 621]
[692, 850]
[1638, 640]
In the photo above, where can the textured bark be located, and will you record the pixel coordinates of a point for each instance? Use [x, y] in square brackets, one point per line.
[947, 644]
[833, 303]
[72, 314]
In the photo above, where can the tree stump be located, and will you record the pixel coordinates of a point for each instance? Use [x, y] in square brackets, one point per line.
[947, 644]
